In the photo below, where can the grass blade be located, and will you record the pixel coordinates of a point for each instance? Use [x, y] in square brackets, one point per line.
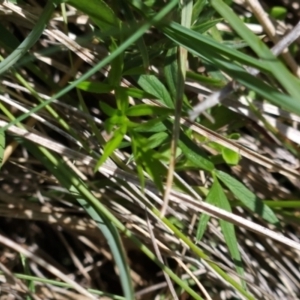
[274, 65]
[31, 38]
[249, 199]
[228, 228]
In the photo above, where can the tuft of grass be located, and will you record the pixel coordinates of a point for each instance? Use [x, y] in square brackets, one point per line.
[97, 148]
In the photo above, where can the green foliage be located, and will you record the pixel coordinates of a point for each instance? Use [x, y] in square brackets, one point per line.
[152, 85]
[249, 199]
[2, 147]
[145, 114]
[112, 145]
[146, 110]
[273, 64]
[171, 71]
[217, 197]
[30, 40]
[194, 153]
[278, 12]
[99, 11]
[231, 157]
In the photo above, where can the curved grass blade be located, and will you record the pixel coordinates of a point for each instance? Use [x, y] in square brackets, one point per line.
[274, 65]
[62, 285]
[31, 38]
[84, 197]
[197, 42]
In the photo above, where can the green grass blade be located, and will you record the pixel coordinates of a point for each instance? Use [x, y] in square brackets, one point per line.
[116, 67]
[194, 154]
[81, 192]
[196, 43]
[274, 65]
[98, 10]
[228, 228]
[249, 199]
[105, 214]
[2, 147]
[31, 38]
[243, 77]
[204, 218]
[202, 255]
[112, 145]
[62, 285]
[197, 9]
[171, 71]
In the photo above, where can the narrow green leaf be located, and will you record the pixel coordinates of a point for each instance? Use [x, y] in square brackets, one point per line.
[137, 157]
[202, 225]
[112, 145]
[204, 26]
[152, 85]
[136, 35]
[196, 43]
[145, 110]
[194, 154]
[154, 168]
[157, 139]
[30, 39]
[136, 93]
[228, 228]
[154, 125]
[171, 71]
[94, 208]
[197, 9]
[100, 12]
[146, 157]
[2, 147]
[204, 79]
[270, 93]
[122, 100]
[249, 199]
[108, 110]
[275, 66]
[95, 87]
[204, 218]
[116, 66]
